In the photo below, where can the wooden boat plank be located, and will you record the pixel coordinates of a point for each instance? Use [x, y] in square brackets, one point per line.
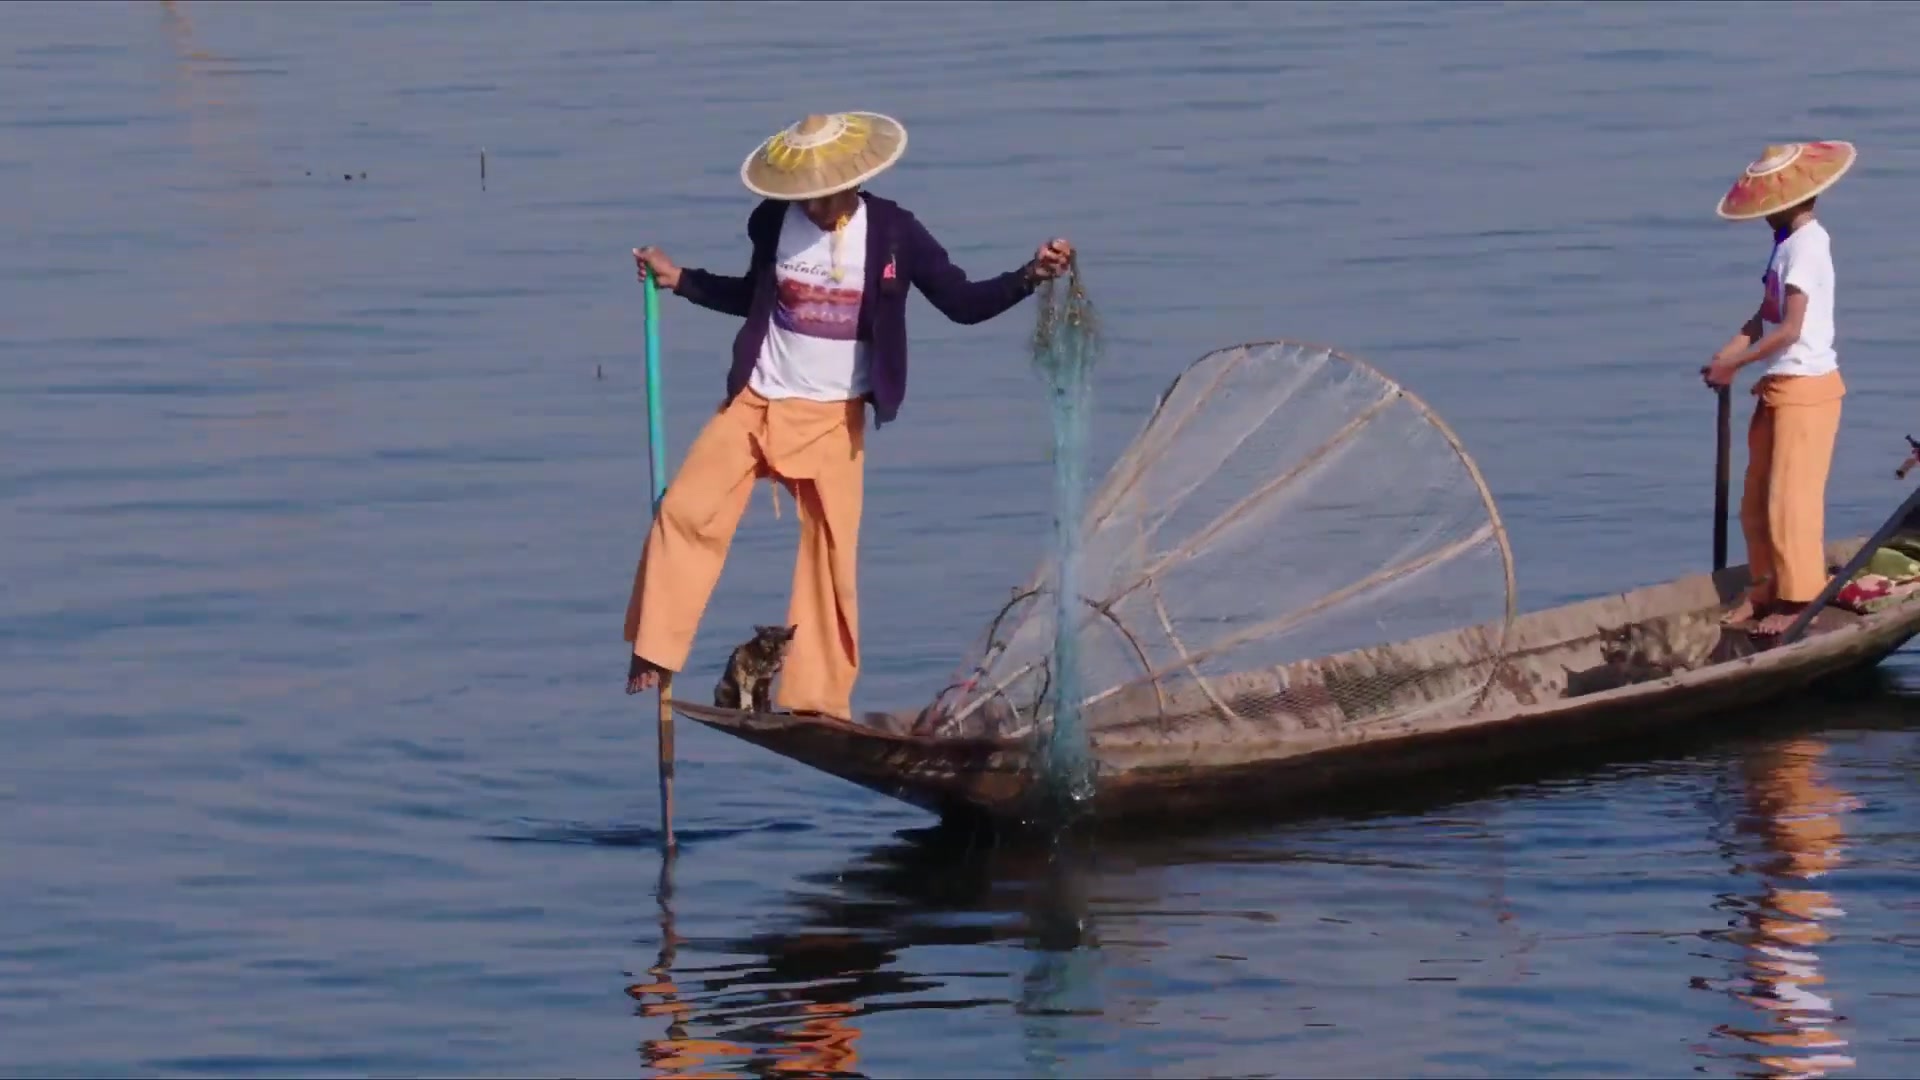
[945, 776]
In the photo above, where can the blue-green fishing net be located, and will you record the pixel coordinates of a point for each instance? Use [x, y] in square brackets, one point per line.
[1066, 345]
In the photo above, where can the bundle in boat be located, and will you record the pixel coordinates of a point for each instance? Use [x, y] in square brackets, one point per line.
[1283, 503]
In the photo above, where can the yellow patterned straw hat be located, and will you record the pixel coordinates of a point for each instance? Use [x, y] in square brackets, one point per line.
[1786, 176]
[822, 155]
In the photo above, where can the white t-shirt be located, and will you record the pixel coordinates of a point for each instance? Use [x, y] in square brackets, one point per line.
[810, 351]
[1803, 260]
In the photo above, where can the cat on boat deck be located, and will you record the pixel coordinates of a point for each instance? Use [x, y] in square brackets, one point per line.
[1659, 649]
[747, 683]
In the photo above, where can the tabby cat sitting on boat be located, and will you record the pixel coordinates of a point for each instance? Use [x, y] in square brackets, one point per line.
[747, 684]
[1660, 649]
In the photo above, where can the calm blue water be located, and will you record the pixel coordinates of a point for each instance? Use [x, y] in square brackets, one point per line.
[316, 525]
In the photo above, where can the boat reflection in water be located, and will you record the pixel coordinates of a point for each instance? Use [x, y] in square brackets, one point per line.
[1201, 951]
[791, 999]
[1795, 815]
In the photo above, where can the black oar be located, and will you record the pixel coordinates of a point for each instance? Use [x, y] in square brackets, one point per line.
[1907, 517]
[1735, 642]
[1722, 470]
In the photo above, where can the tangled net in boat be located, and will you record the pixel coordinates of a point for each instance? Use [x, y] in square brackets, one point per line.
[1287, 514]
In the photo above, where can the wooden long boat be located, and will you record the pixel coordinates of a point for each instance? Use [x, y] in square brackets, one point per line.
[1196, 733]
[1184, 756]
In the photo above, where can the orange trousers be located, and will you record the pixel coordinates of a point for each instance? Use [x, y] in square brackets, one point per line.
[1783, 512]
[817, 450]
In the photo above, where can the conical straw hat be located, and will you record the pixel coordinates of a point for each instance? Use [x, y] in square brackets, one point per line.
[1785, 176]
[822, 155]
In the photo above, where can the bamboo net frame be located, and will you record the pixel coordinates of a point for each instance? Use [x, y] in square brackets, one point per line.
[1121, 491]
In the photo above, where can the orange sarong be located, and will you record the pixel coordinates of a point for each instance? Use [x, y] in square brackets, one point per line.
[817, 451]
[1783, 512]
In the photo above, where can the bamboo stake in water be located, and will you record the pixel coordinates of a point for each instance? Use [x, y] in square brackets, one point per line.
[657, 466]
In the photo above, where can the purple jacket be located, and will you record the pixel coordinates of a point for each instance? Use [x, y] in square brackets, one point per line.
[895, 240]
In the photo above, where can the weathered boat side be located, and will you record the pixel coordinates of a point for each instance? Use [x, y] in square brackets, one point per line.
[1406, 750]
[945, 776]
[1190, 757]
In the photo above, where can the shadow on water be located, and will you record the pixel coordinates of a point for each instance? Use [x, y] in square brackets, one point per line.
[796, 999]
[640, 836]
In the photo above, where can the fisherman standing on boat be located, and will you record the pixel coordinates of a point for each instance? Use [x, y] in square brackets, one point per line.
[825, 300]
[1790, 441]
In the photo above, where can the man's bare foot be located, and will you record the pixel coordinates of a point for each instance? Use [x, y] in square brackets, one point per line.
[1742, 612]
[1778, 621]
[642, 675]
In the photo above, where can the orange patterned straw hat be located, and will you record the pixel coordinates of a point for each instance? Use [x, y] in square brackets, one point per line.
[1786, 176]
[823, 155]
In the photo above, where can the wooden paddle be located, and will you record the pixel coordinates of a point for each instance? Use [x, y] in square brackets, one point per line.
[1734, 641]
[1722, 471]
[657, 466]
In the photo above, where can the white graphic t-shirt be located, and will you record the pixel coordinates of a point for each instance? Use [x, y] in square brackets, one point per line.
[810, 351]
[1803, 260]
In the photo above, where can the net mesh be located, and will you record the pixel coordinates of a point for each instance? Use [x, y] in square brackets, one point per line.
[1066, 341]
[1283, 504]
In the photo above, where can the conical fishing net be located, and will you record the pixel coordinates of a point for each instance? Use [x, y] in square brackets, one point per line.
[1286, 515]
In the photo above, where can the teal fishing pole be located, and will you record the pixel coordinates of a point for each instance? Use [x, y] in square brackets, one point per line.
[657, 466]
[656, 427]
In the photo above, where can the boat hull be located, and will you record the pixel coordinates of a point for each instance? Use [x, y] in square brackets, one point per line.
[1199, 764]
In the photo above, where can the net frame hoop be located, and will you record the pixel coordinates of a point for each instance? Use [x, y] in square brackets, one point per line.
[1249, 349]
[995, 648]
[1107, 502]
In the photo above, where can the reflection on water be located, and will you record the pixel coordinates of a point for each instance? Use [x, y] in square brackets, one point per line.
[1063, 979]
[1793, 812]
[803, 1028]
[793, 1007]
[678, 1054]
[1189, 953]
[794, 998]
